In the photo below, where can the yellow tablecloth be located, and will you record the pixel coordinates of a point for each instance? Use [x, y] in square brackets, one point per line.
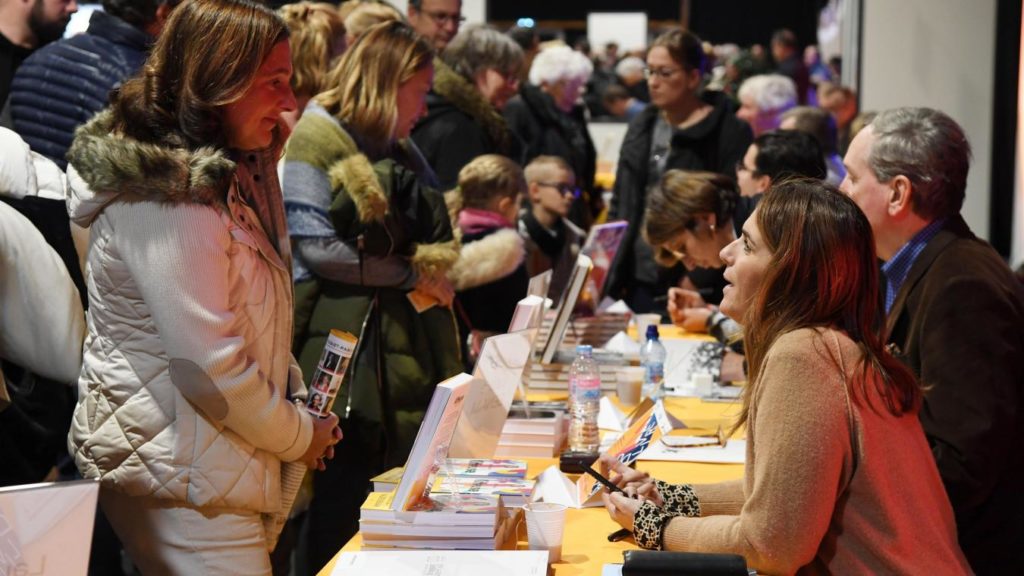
[585, 547]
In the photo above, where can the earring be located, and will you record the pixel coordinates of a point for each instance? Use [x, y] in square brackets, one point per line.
[712, 227]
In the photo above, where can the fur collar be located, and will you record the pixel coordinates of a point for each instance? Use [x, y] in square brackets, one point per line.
[112, 164]
[488, 259]
[321, 140]
[463, 95]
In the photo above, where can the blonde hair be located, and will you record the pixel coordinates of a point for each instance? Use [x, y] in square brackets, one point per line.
[365, 16]
[539, 168]
[314, 27]
[362, 89]
[490, 177]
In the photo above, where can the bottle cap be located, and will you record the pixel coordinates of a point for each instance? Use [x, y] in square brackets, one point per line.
[652, 332]
[585, 350]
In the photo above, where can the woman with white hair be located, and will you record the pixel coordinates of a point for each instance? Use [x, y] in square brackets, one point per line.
[546, 118]
[763, 99]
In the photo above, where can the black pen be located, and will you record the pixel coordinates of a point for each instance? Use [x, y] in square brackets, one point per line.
[604, 481]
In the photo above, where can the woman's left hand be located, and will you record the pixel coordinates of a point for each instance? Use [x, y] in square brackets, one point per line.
[621, 508]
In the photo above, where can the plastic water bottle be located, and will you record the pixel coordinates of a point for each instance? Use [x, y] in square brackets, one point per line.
[584, 401]
[652, 358]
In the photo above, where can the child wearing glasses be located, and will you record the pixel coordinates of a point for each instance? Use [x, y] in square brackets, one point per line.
[552, 240]
[490, 276]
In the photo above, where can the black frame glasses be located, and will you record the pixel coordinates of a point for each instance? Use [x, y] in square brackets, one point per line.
[563, 188]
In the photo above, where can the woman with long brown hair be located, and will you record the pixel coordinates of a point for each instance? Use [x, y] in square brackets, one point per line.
[187, 411]
[839, 477]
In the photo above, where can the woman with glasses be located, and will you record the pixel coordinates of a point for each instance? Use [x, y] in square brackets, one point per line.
[685, 129]
[839, 477]
[546, 118]
[474, 78]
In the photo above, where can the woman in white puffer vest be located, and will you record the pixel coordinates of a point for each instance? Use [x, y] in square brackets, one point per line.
[189, 408]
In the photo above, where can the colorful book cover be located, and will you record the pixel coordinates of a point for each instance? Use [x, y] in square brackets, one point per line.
[517, 487]
[489, 468]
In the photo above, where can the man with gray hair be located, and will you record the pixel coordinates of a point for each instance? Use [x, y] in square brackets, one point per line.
[955, 315]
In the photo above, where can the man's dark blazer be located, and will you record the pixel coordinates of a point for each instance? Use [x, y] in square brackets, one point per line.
[958, 322]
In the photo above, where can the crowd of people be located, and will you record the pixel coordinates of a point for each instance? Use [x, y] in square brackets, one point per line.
[196, 192]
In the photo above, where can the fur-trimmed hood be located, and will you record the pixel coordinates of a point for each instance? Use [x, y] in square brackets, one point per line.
[488, 259]
[459, 93]
[103, 166]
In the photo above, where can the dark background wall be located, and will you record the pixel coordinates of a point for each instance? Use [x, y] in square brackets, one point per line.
[743, 22]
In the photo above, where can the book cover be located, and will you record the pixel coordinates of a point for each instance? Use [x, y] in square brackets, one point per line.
[488, 467]
[515, 487]
[438, 510]
[432, 440]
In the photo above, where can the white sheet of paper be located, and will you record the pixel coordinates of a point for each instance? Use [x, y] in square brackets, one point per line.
[611, 418]
[735, 452]
[443, 563]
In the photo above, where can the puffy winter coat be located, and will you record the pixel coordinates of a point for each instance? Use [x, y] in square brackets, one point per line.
[64, 84]
[184, 393]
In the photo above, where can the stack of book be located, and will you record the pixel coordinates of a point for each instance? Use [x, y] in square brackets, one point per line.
[541, 435]
[505, 478]
[470, 522]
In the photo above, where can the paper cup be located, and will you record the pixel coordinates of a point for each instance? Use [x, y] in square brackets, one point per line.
[629, 384]
[642, 322]
[703, 384]
[545, 524]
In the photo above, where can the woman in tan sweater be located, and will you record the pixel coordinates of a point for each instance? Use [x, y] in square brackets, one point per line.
[839, 478]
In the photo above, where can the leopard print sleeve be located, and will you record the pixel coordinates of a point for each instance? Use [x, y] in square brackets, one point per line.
[649, 524]
[679, 499]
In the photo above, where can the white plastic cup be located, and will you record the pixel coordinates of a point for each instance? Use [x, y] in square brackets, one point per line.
[642, 322]
[629, 384]
[545, 525]
[703, 384]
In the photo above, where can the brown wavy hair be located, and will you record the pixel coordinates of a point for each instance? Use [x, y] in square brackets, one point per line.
[206, 57]
[362, 89]
[678, 199]
[314, 27]
[822, 273]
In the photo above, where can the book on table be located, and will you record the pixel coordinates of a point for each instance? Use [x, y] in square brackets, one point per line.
[513, 491]
[468, 467]
[431, 444]
[468, 521]
[479, 510]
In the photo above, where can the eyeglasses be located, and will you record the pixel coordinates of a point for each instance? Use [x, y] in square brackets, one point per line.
[661, 73]
[442, 18]
[564, 189]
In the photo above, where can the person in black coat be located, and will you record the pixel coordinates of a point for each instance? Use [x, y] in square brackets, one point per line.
[490, 275]
[65, 83]
[684, 129]
[546, 119]
[955, 315]
[474, 78]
